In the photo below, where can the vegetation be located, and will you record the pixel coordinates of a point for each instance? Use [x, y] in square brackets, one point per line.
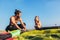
[51, 34]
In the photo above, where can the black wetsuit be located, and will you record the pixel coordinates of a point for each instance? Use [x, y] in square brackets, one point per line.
[13, 27]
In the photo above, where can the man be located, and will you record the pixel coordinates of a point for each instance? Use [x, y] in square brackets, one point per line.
[13, 22]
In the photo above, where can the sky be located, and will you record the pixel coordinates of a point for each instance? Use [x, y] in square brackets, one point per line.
[47, 10]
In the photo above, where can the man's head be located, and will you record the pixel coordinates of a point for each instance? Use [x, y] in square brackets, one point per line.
[17, 13]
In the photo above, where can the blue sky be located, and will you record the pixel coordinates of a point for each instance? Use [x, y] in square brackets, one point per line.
[47, 10]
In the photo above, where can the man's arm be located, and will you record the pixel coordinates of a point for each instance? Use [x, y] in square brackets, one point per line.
[22, 23]
[13, 21]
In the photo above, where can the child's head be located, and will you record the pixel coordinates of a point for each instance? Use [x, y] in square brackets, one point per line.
[36, 17]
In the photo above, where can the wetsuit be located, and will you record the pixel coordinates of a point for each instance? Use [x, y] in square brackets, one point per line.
[13, 27]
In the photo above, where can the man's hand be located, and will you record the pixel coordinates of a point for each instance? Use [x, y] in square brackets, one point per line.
[23, 30]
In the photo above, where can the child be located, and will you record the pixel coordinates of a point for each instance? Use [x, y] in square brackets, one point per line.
[37, 23]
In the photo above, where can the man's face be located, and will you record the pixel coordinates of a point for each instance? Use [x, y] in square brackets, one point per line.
[19, 15]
